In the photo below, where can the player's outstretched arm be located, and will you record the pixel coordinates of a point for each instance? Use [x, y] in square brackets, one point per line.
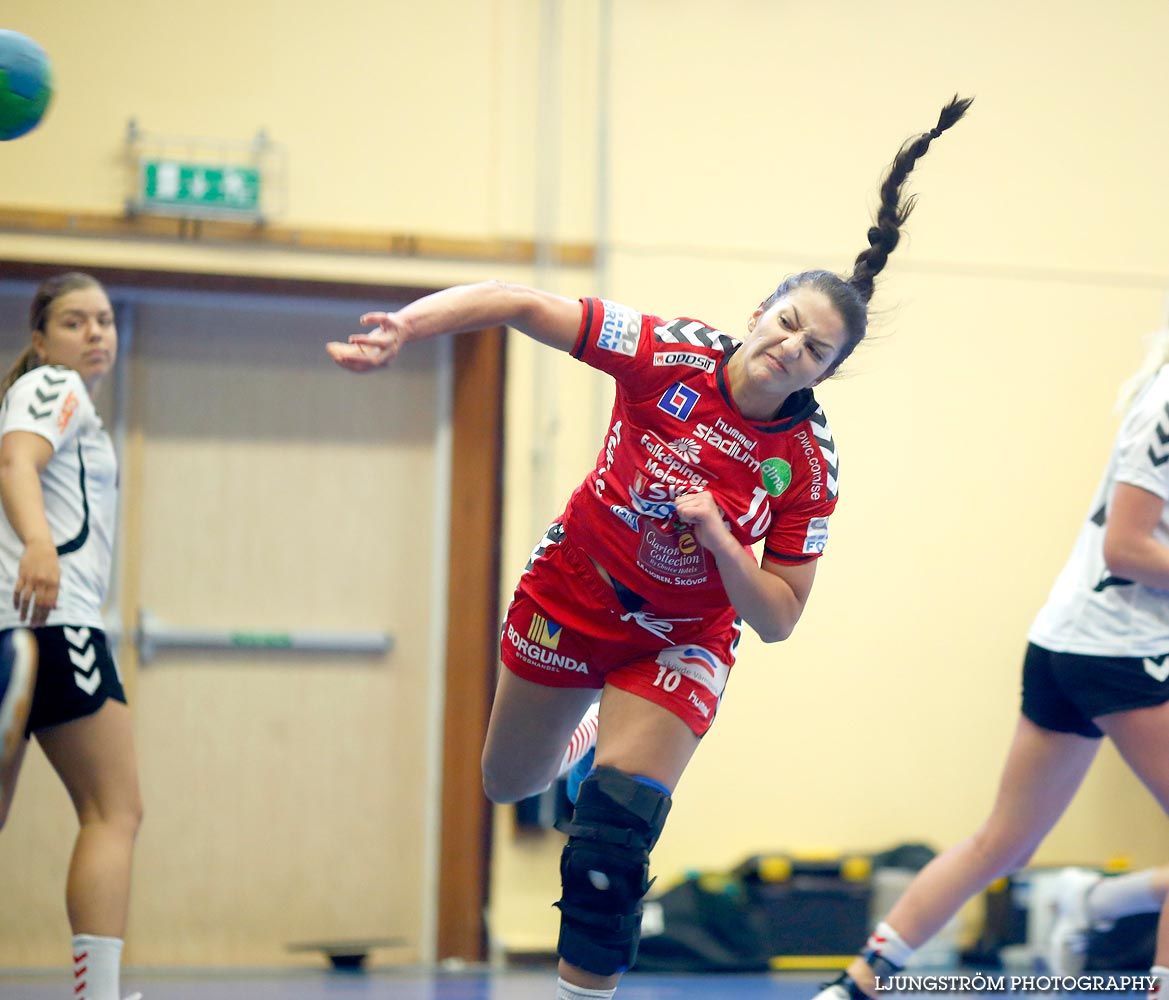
[550, 319]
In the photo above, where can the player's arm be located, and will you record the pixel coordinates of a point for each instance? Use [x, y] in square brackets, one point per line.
[1131, 551]
[550, 319]
[23, 456]
[770, 598]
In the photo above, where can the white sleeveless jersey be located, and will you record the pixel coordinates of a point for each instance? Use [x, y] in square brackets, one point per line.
[80, 487]
[1090, 610]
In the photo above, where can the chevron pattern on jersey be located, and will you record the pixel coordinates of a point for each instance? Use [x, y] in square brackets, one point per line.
[1159, 449]
[823, 435]
[683, 331]
[48, 393]
[552, 536]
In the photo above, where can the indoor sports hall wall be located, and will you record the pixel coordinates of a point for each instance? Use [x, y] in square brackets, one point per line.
[276, 818]
[706, 151]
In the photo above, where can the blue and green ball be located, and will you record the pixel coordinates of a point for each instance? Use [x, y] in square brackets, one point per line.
[26, 84]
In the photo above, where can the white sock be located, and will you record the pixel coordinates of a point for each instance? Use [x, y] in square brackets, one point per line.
[566, 991]
[887, 943]
[583, 740]
[1161, 977]
[1123, 895]
[96, 967]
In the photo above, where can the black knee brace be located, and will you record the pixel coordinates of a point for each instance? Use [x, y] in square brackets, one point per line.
[604, 870]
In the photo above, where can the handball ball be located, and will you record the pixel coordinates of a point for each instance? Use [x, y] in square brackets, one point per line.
[25, 84]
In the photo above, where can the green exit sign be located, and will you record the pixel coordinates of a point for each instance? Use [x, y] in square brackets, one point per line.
[197, 189]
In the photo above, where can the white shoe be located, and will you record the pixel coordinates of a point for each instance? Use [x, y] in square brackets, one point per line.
[843, 987]
[1066, 949]
[134, 996]
[18, 675]
[832, 991]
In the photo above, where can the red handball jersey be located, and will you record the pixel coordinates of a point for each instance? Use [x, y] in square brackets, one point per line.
[676, 428]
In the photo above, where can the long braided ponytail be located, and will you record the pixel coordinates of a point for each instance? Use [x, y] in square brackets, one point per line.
[850, 296]
[891, 216]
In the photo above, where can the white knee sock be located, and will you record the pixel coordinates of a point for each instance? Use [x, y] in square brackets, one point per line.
[1123, 895]
[583, 740]
[96, 967]
[1161, 977]
[887, 943]
[566, 991]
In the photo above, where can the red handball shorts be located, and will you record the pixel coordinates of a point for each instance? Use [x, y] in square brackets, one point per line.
[565, 627]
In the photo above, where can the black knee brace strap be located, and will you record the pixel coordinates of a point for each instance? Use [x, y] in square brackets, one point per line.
[604, 870]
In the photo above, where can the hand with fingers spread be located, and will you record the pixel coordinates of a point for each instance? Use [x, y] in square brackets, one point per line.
[37, 581]
[365, 351]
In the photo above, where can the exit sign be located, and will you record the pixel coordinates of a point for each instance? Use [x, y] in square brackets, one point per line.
[197, 189]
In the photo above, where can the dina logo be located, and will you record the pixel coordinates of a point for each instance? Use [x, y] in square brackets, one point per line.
[777, 475]
[546, 633]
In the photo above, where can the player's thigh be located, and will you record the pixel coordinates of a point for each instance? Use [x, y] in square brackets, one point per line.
[96, 760]
[529, 728]
[643, 738]
[1142, 737]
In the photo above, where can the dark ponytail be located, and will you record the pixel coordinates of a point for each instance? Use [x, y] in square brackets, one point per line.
[26, 361]
[46, 294]
[850, 296]
[891, 216]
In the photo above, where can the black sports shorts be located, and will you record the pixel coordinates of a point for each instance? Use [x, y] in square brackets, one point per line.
[75, 675]
[1064, 692]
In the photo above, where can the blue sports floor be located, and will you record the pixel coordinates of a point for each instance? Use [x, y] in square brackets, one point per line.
[474, 985]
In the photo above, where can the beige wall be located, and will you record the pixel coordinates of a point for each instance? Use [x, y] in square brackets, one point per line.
[256, 483]
[746, 141]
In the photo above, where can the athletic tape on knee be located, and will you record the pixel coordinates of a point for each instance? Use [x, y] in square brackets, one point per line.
[604, 869]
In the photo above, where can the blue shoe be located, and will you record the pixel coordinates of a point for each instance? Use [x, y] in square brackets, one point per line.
[577, 774]
[18, 674]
